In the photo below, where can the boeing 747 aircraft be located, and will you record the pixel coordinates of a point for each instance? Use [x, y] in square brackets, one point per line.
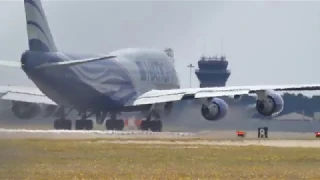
[105, 85]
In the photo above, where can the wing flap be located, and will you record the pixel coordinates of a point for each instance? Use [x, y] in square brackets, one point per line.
[206, 94]
[290, 87]
[157, 99]
[25, 97]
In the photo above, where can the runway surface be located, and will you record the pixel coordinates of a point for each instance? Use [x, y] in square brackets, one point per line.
[277, 139]
[82, 134]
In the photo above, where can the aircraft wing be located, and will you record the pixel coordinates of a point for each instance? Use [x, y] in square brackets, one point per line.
[161, 96]
[24, 94]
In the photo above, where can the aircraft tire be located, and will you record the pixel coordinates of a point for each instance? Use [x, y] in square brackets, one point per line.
[115, 125]
[156, 126]
[84, 124]
[109, 125]
[119, 125]
[89, 124]
[61, 124]
[144, 126]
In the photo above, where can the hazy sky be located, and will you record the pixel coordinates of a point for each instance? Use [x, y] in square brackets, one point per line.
[265, 42]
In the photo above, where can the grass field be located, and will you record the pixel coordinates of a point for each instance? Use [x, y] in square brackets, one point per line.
[96, 159]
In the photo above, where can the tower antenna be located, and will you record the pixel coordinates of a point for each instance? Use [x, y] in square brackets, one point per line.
[222, 48]
[190, 66]
[204, 46]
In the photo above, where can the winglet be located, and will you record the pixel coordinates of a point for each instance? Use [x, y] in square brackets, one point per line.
[73, 62]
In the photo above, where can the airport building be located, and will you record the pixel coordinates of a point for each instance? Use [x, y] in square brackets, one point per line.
[212, 71]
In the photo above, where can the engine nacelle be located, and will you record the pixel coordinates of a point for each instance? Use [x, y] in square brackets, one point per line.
[271, 104]
[25, 110]
[216, 109]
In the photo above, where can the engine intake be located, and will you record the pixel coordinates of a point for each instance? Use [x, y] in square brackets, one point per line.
[215, 110]
[271, 104]
[25, 110]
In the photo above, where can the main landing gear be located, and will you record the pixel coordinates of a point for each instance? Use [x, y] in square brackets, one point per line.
[152, 125]
[114, 124]
[111, 124]
[84, 123]
[62, 123]
[66, 124]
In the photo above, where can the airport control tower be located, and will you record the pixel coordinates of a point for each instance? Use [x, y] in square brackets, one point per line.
[212, 71]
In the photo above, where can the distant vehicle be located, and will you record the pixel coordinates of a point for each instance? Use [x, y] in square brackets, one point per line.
[105, 85]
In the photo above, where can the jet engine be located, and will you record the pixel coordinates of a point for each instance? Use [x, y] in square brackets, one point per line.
[25, 110]
[271, 104]
[215, 109]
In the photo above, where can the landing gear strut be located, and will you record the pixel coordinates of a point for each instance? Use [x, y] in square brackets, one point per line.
[62, 123]
[114, 124]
